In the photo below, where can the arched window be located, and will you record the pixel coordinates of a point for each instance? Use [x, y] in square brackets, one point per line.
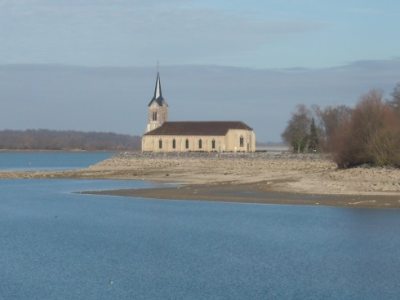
[241, 141]
[200, 144]
[154, 116]
[160, 144]
[187, 144]
[213, 144]
[173, 144]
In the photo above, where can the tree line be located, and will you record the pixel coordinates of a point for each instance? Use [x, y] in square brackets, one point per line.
[369, 133]
[67, 140]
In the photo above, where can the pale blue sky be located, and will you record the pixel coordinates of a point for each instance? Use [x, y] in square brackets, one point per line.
[335, 50]
[252, 33]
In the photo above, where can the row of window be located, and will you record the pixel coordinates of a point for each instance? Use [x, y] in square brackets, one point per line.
[199, 145]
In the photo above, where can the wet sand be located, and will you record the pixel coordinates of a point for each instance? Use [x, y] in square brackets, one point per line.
[255, 193]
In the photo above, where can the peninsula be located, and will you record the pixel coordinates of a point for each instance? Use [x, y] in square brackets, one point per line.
[279, 178]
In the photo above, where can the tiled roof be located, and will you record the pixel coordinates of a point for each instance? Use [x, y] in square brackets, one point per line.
[218, 128]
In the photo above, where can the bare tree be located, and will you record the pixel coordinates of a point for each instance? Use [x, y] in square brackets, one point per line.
[313, 137]
[395, 101]
[367, 134]
[372, 136]
[297, 132]
[329, 120]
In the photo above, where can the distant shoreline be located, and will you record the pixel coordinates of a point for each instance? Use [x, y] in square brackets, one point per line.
[71, 140]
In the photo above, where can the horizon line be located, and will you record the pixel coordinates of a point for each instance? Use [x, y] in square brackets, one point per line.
[294, 68]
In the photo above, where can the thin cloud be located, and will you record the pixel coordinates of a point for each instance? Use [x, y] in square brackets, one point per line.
[94, 31]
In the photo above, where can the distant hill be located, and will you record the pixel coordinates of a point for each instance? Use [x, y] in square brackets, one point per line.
[67, 140]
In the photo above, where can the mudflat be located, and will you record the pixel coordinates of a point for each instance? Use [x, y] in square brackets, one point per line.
[255, 193]
[258, 177]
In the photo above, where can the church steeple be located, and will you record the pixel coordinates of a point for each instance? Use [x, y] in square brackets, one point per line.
[157, 90]
[158, 98]
[158, 108]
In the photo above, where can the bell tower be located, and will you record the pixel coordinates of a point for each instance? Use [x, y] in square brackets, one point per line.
[157, 108]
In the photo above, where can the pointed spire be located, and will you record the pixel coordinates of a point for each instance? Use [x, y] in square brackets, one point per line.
[158, 98]
[157, 90]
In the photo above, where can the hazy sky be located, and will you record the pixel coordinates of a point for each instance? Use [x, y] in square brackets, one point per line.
[251, 33]
[90, 64]
[115, 98]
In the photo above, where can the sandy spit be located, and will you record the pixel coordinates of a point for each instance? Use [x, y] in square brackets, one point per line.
[260, 173]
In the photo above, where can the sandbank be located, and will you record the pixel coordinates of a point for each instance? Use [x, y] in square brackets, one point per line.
[279, 178]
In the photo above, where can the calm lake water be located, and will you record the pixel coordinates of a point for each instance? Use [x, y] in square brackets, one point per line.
[57, 244]
[20, 161]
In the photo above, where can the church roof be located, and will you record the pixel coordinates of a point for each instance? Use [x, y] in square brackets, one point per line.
[218, 128]
[158, 98]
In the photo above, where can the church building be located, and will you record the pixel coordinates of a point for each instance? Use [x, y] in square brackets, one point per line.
[205, 136]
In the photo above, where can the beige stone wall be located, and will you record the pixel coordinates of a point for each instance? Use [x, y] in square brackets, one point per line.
[229, 143]
[233, 140]
[162, 116]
